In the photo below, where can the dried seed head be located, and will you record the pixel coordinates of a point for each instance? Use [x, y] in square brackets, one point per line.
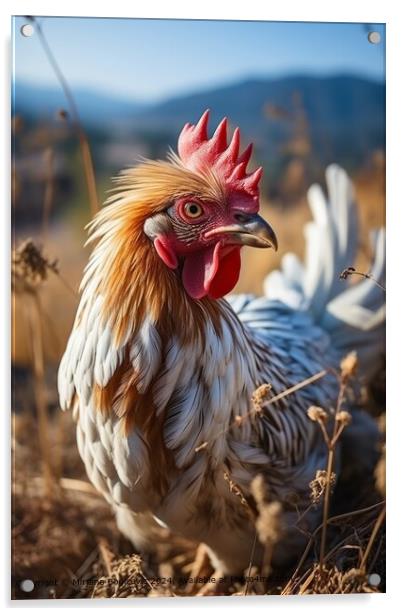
[259, 490]
[318, 485]
[236, 490]
[382, 423]
[316, 413]
[259, 397]
[269, 523]
[201, 447]
[349, 365]
[262, 391]
[344, 275]
[125, 579]
[30, 267]
[62, 114]
[380, 473]
[344, 418]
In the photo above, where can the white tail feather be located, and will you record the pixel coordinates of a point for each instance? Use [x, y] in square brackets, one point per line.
[352, 313]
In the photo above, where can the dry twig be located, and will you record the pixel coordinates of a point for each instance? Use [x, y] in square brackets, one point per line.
[351, 271]
[82, 137]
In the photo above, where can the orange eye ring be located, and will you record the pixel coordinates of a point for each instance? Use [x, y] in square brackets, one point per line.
[193, 209]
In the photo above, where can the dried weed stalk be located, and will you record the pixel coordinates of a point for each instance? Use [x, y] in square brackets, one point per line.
[49, 192]
[30, 267]
[125, 578]
[319, 484]
[82, 137]
[301, 583]
[237, 491]
[352, 271]
[259, 398]
[324, 480]
[269, 523]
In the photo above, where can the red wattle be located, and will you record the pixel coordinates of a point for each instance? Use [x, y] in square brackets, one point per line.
[227, 274]
[213, 271]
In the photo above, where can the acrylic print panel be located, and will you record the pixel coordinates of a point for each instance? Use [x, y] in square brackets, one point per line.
[198, 393]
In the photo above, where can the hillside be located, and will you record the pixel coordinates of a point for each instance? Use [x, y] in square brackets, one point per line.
[310, 119]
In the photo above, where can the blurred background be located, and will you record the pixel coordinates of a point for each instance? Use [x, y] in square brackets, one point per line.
[90, 96]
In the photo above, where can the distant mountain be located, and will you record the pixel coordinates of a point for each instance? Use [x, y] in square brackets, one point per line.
[337, 118]
[343, 115]
[94, 108]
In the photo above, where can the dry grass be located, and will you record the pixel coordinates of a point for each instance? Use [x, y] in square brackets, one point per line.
[66, 539]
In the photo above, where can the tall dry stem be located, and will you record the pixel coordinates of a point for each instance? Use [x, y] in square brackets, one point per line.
[342, 418]
[374, 533]
[49, 192]
[82, 137]
[32, 309]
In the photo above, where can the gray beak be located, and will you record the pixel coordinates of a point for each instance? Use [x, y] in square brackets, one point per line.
[251, 230]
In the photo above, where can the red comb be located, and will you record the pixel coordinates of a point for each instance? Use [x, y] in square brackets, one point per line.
[199, 153]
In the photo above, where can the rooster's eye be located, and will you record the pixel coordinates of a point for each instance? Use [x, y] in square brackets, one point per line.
[193, 210]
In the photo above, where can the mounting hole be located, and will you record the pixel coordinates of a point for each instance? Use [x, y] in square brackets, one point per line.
[27, 585]
[374, 579]
[374, 38]
[27, 30]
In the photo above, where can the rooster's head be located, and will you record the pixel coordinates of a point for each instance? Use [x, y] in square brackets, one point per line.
[211, 213]
[183, 220]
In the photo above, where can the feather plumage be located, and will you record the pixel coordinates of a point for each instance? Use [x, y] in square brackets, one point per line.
[184, 371]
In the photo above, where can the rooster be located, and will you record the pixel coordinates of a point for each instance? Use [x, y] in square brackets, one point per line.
[160, 369]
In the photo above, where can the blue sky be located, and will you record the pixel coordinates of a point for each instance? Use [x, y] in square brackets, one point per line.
[149, 60]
